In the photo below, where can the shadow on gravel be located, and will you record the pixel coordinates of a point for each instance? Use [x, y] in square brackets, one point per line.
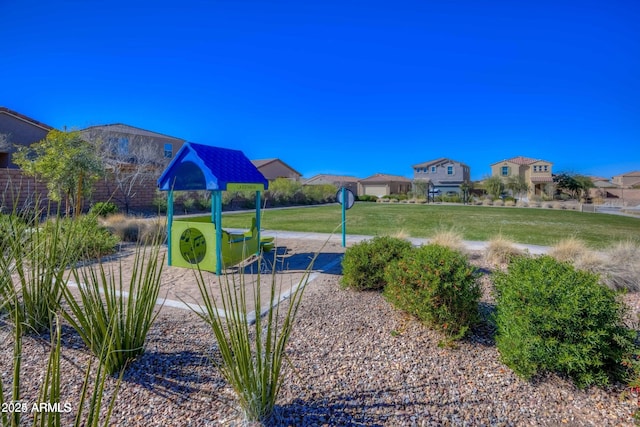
[374, 408]
[172, 375]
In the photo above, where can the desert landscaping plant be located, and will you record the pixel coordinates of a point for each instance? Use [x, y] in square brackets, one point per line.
[438, 286]
[500, 251]
[551, 317]
[364, 263]
[251, 348]
[113, 313]
[449, 237]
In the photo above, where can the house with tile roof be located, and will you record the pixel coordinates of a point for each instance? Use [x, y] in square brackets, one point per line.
[276, 168]
[339, 181]
[627, 180]
[537, 173]
[443, 175]
[382, 184]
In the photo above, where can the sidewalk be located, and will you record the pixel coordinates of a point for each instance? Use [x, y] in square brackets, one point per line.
[351, 239]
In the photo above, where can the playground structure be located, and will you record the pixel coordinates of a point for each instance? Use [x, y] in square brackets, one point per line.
[201, 242]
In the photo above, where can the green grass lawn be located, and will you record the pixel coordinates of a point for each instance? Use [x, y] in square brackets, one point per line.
[522, 225]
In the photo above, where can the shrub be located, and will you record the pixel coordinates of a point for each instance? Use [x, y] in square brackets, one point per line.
[160, 201]
[487, 202]
[83, 237]
[364, 263]
[103, 208]
[509, 203]
[551, 317]
[188, 203]
[498, 202]
[367, 198]
[438, 286]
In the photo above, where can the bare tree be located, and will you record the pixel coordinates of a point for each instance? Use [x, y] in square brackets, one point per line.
[130, 161]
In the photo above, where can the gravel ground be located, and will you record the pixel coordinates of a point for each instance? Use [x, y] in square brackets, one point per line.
[356, 361]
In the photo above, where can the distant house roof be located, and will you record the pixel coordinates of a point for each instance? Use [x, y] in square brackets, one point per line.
[128, 129]
[329, 179]
[634, 173]
[24, 118]
[441, 160]
[520, 160]
[203, 167]
[381, 177]
[264, 162]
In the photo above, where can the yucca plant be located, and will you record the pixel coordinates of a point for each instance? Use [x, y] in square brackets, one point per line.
[114, 315]
[252, 348]
[38, 257]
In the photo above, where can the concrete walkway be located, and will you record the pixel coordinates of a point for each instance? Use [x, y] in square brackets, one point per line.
[356, 238]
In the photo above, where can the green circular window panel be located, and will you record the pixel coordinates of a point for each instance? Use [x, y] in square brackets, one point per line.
[193, 245]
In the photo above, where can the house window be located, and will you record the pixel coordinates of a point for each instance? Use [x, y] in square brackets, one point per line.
[504, 171]
[546, 168]
[433, 169]
[449, 170]
[123, 146]
[168, 151]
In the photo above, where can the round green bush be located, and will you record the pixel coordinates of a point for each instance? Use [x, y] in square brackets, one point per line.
[551, 317]
[104, 208]
[438, 286]
[364, 263]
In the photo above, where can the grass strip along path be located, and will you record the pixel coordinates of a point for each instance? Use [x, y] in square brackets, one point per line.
[535, 226]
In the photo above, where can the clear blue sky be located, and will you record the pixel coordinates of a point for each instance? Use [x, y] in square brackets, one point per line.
[348, 87]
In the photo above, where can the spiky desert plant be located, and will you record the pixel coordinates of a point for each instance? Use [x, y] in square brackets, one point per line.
[113, 313]
[251, 348]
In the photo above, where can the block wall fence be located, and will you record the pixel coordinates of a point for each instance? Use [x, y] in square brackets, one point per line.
[15, 187]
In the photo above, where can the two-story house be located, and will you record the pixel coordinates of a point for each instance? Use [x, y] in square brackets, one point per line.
[536, 173]
[129, 144]
[445, 176]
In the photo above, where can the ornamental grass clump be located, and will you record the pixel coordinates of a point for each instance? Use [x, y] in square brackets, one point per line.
[551, 317]
[113, 316]
[364, 263]
[438, 285]
[251, 346]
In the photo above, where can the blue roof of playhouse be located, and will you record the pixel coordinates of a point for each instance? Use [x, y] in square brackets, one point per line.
[203, 167]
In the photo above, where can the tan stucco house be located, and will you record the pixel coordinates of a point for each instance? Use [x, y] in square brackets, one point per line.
[382, 185]
[276, 168]
[537, 173]
[339, 181]
[627, 180]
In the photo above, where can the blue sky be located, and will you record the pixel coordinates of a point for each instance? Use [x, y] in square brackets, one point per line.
[347, 87]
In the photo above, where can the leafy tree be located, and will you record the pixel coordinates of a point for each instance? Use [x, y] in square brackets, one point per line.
[494, 186]
[65, 162]
[574, 184]
[517, 184]
[420, 187]
[466, 187]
